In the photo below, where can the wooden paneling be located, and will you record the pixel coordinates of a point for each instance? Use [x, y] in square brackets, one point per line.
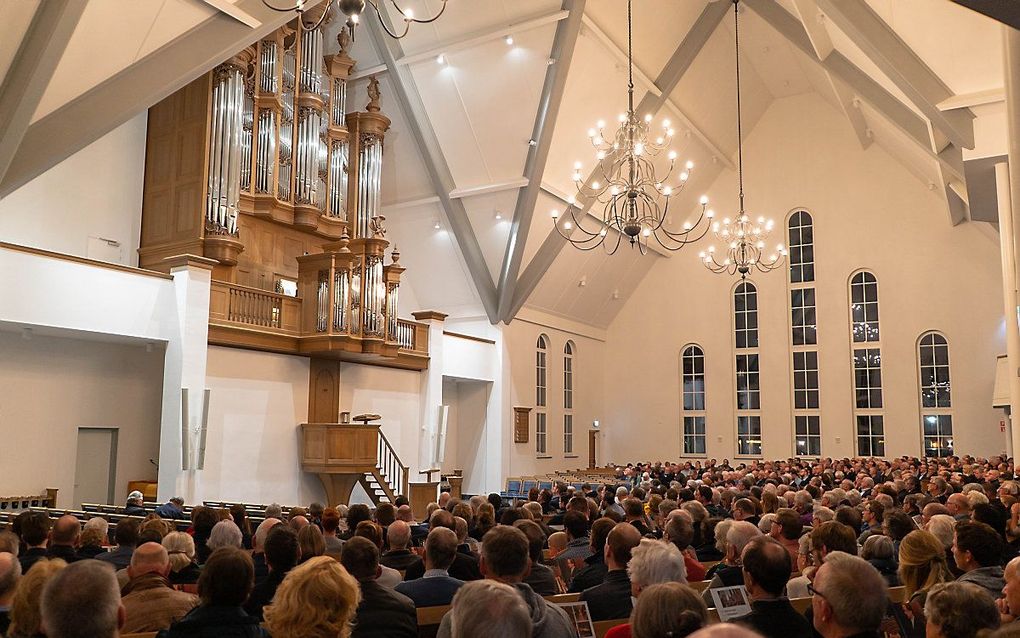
[331, 447]
[324, 390]
[175, 160]
[271, 249]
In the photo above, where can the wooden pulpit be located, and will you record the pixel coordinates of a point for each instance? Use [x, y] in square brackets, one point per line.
[422, 494]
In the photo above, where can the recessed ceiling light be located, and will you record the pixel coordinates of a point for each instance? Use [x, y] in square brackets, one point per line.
[437, 225]
[509, 40]
[441, 58]
[499, 215]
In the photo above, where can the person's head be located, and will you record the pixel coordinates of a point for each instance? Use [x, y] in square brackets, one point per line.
[897, 524]
[440, 548]
[371, 531]
[227, 578]
[317, 599]
[976, 545]
[536, 539]
[149, 558]
[725, 630]
[489, 608]
[460, 526]
[767, 566]
[82, 600]
[850, 596]
[360, 557]
[297, 523]
[668, 609]
[274, 510]
[558, 540]
[575, 525]
[958, 505]
[26, 610]
[832, 537]
[330, 521]
[743, 509]
[225, 534]
[203, 519]
[282, 549]
[622, 539]
[258, 542]
[786, 525]
[1011, 591]
[654, 562]
[126, 533]
[943, 526]
[311, 542]
[878, 547]
[35, 529]
[9, 542]
[739, 535]
[679, 531]
[504, 554]
[10, 574]
[180, 548]
[398, 535]
[357, 513]
[65, 531]
[599, 533]
[959, 610]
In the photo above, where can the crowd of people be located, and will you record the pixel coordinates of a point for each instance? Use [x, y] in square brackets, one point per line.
[842, 532]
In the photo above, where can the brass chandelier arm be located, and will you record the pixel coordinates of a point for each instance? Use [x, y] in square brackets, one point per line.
[353, 14]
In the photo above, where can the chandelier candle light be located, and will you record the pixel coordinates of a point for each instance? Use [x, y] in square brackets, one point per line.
[353, 10]
[635, 201]
[744, 238]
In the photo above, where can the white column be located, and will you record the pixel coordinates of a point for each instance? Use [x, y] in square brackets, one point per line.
[1009, 295]
[184, 367]
[1011, 69]
[431, 395]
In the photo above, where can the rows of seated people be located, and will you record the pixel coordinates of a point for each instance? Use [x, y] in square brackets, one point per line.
[648, 553]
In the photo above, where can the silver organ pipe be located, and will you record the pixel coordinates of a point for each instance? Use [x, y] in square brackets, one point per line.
[338, 179]
[247, 126]
[369, 182]
[339, 102]
[287, 118]
[266, 156]
[356, 299]
[391, 311]
[375, 293]
[267, 78]
[322, 301]
[225, 149]
[342, 295]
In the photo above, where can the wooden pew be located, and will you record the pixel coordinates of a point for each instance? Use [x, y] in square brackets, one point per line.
[563, 598]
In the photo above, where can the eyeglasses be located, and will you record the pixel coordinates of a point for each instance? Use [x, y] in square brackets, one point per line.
[814, 592]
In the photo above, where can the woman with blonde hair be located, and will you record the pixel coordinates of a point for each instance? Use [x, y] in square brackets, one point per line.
[922, 566]
[317, 599]
[26, 613]
[183, 568]
[311, 542]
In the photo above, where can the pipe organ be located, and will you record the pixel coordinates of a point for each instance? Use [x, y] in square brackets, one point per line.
[260, 165]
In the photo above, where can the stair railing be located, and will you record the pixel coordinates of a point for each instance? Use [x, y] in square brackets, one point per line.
[392, 470]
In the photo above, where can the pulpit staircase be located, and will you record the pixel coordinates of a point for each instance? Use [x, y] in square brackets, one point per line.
[347, 455]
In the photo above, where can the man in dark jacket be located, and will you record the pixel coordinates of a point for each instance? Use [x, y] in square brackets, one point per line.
[464, 567]
[226, 581]
[540, 578]
[174, 508]
[399, 557]
[767, 567]
[35, 529]
[63, 538]
[382, 613]
[436, 587]
[611, 599]
[594, 570]
[282, 553]
[126, 536]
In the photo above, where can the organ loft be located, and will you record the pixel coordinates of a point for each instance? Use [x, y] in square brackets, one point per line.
[261, 168]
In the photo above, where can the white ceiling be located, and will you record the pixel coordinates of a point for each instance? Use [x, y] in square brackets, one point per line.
[482, 106]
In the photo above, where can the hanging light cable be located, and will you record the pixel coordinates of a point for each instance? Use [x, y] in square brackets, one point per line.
[634, 199]
[744, 238]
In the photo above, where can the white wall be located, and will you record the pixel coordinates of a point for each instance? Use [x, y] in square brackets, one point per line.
[95, 192]
[869, 212]
[395, 395]
[50, 386]
[468, 427]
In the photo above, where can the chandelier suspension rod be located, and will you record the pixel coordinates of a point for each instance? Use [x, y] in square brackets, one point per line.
[740, 136]
[630, 92]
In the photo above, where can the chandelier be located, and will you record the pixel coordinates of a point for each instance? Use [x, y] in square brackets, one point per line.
[634, 199]
[744, 239]
[353, 10]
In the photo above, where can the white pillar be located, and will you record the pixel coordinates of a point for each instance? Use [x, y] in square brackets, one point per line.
[1011, 68]
[431, 394]
[1009, 295]
[184, 367]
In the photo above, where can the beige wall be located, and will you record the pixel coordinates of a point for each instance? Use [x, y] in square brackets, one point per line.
[520, 339]
[869, 212]
[51, 386]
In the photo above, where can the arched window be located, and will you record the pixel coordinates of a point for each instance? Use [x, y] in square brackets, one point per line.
[936, 395]
[692, 367]
[867, 364]
[745, 329]
[804, 338]
[541, 383]
[568, 397]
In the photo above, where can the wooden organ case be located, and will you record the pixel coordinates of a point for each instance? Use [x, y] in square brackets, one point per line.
[259, 165]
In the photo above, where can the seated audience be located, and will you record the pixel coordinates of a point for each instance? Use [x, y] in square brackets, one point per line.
[227, 579]
[943, 527]
[180, 548]
[311, 542]
[10, 574]
[593, 572]
[258, 544]
[282, 553]
[172, 509]
[26, 613]
[878, 550]
[388, 577]
[738, 535]
[399, 557]
[849, 597]
[436, 586]
[35, 530]
[959, 506]
[464, 567]
[668, 609]
[239, 514]
[977, 550]
[203, 519]
[82, 600]
[634, 513]
[767, 569]
[317, 599]
[719, 531]
[94, 537]
[505, 559]
[126, 537]
[382, 612]
[133, 506]
[330, 533]
[540, 577]
[64, 539]
[150, 603]
[489, 608]
[578, 547]
[355, 514]
[611, 599]
[959, 610]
